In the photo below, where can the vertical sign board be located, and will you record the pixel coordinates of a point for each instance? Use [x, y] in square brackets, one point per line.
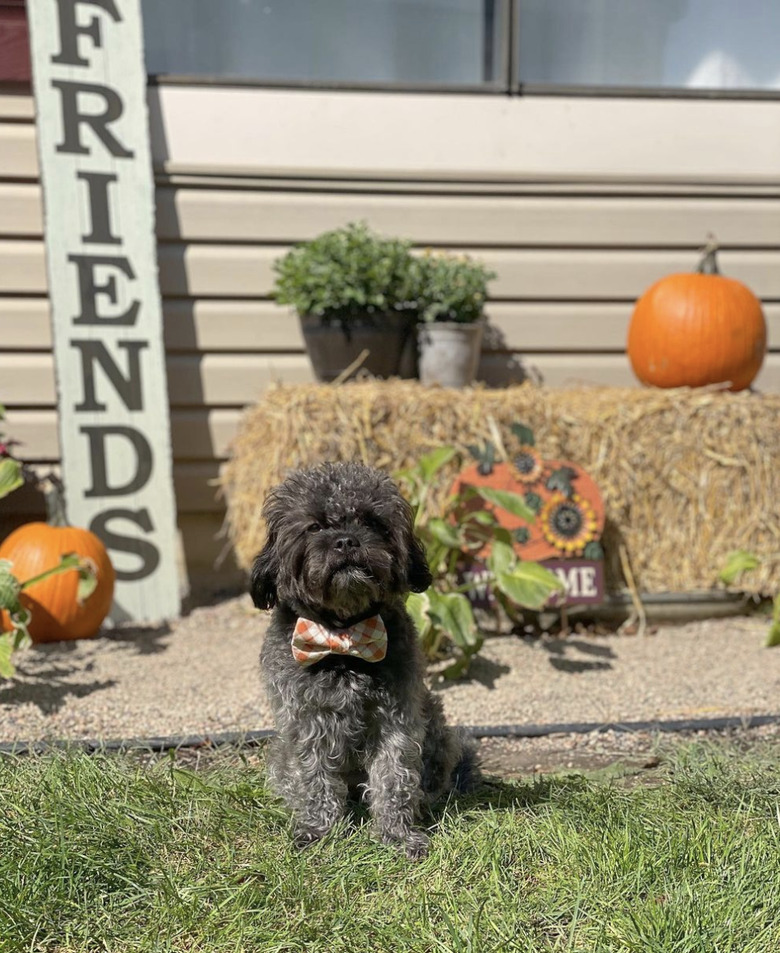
[93, 143]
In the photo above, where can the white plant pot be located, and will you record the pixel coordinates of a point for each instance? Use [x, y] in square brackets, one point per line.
[449, 352]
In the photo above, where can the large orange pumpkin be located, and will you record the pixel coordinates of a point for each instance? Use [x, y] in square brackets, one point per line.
[690, 330]
[56, 612]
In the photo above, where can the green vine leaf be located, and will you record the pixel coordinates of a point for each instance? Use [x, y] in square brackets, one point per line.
[506, 500]
[453, 612]
[529, 585]
[10, 476]
[445, 533]
[502, 558]
[417, 607]
[7, 669]
[68, 561]
[10, 587]
[737, 562]
[432, 462]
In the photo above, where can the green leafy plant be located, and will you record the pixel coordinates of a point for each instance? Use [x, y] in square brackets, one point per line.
[450, 287]
[444, 615]
[11, 472]
[345, 273]
[19, 615]
[739, 561]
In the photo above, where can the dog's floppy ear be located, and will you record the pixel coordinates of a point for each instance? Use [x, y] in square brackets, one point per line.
[264, 572]
[418, 574]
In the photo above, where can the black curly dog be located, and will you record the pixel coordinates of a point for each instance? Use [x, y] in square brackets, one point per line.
[341, 549]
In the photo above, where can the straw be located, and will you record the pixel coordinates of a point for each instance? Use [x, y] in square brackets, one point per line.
[687, 476]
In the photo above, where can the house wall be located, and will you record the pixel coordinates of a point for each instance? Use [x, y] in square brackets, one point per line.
[578, 204]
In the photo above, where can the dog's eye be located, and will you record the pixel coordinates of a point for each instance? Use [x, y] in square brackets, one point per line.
[372, 522]
[314, 528]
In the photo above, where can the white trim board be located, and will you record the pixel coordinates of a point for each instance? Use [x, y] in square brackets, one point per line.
[308, 132]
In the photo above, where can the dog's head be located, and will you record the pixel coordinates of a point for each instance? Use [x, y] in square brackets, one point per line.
[340, 539]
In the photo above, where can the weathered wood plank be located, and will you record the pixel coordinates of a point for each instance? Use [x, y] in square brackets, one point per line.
[238, 326]
[197, 487]
[214, 380]
[560, 274]
[22, 267]
[568, 370]
[210, 564]
[21, 209]
[235, 380]
[219, 270]
[219, 379]
[17, 106]
[197, 434]
[268, 216]
[195, 483]
[18, 158]
[308, 132]
[189, 325]
[288, 216]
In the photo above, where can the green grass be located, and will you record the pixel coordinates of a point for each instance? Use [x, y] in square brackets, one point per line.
[106, 853]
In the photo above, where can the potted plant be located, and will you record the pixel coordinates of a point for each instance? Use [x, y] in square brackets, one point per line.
[352, 291]
[451, 295]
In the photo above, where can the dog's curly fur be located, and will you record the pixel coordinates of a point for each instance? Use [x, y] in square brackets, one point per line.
[340, 547]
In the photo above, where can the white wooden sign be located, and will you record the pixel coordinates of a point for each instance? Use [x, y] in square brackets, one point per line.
[93, 143]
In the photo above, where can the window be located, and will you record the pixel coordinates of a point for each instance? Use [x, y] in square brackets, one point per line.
[418, 42]
[683, 44]
[724, 46]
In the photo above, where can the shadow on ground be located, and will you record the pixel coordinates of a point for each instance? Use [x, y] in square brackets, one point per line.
[50, 688]
[51, 673]
[560, 651]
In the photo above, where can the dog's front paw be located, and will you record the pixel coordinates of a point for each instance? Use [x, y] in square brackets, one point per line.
[306, 836]
[413, 843]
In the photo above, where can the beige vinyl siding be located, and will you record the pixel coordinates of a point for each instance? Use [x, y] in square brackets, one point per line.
[572, 254]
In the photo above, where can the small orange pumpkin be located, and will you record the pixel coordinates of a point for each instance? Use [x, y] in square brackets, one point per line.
[690, 330]
[56, 613]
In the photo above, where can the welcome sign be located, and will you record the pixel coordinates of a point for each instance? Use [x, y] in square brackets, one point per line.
[93, 143]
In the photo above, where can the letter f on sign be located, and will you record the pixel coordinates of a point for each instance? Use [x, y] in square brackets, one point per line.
[70, 30]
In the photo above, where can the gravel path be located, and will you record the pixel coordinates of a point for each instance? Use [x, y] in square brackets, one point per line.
[200, 676]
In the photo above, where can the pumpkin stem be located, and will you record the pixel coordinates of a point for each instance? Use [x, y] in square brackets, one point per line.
[709, 263]
[54, 496]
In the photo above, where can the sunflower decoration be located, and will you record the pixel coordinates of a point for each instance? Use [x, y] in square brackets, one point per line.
[527, 466]
[568, 523]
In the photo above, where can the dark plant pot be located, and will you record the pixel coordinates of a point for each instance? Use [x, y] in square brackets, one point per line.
[389, 339]
[449, 352]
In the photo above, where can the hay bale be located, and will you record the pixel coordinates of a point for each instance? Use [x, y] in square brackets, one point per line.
[687, 476]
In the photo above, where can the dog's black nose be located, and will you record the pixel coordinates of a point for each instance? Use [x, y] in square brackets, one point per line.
[343, 543]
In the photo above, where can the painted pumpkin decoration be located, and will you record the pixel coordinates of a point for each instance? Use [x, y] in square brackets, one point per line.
[567, 502]
[691, 330]
[56, 611]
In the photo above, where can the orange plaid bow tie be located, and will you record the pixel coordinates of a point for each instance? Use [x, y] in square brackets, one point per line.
[312, 641]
